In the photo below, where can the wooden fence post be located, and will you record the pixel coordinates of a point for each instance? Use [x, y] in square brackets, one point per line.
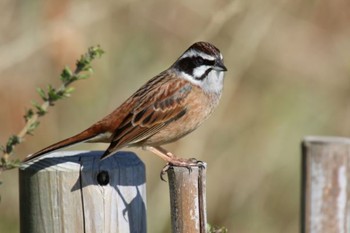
[66, 192]
[188, 199]
[325, 205]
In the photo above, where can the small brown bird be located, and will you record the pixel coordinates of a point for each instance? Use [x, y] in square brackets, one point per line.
[166, 108]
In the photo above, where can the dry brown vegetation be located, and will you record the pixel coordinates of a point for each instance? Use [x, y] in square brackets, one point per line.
[288, 77]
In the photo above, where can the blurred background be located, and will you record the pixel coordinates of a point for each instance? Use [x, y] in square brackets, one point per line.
[288, 77]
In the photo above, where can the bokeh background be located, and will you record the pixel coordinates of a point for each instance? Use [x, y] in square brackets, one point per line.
[288, 77]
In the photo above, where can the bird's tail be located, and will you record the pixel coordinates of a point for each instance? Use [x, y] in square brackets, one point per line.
[80, 137]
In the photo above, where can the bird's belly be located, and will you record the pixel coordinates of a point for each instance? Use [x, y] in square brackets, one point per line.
[172, 132]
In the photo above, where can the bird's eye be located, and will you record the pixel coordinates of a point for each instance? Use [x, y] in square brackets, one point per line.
[200, 61]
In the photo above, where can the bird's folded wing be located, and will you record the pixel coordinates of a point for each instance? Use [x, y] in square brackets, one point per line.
[157, 109]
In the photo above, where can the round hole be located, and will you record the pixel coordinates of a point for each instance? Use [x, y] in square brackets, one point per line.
[103, 178]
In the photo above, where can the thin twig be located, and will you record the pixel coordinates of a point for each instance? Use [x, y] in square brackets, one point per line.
[49, 97]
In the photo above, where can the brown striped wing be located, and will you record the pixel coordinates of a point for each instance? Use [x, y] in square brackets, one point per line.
[157, 103]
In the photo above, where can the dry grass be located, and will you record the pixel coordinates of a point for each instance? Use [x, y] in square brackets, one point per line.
[288, 77]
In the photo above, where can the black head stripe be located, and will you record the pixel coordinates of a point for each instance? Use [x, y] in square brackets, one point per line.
[204, 75]
[201, 61]
[188, 64]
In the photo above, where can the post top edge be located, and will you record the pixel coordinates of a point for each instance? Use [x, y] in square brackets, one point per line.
[72, 160]
[325, 140]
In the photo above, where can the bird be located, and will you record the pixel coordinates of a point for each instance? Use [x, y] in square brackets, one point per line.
[166, 108]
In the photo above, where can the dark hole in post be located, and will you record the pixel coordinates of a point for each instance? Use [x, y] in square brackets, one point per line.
[103, 178]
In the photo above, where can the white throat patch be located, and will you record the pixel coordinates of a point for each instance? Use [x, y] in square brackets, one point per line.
[211, 84]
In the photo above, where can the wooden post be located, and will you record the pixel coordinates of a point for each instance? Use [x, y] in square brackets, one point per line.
[67, 192]
[325, 185]
[188, 199]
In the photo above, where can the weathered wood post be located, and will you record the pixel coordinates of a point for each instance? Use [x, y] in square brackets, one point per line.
[188, 199]
[76, 192]
[325, 185]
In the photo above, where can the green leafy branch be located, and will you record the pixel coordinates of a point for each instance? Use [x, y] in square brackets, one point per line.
[216, 229]
[49, 96]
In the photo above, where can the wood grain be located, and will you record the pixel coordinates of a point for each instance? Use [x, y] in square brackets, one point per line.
[60, 192]
[188, 199]
[325, 185]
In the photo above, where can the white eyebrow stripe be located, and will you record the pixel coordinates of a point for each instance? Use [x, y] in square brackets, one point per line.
[193, 53]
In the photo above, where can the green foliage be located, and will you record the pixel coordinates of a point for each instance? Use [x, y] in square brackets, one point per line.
[66, 75]
[32, 127]
[11, 143]
[42, 94]
[49, 97]
[216, 229]
[40, 111]
[28, 115]
[9, 164]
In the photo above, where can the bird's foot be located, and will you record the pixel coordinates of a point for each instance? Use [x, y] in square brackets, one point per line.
[178, 162]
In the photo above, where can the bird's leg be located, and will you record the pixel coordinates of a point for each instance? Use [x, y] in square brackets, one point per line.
[172, 159]
[160, 152]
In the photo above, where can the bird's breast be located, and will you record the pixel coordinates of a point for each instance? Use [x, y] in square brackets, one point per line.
[199, 105]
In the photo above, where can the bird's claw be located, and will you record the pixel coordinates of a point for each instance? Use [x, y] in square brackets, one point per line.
[192, 162]
[198, 163]
[164, 170]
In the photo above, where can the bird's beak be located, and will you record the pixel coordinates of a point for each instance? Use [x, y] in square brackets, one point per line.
[219, 66]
